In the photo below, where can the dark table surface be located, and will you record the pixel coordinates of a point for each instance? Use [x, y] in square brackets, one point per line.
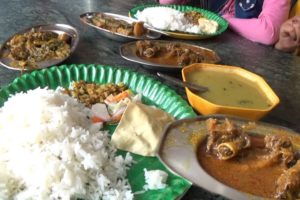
[280, 70]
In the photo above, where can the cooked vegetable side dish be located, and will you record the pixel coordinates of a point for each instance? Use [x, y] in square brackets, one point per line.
[175, 54]
[107, 101]
[118, 26]
[28, 49]
[249, 162]
[92, 93]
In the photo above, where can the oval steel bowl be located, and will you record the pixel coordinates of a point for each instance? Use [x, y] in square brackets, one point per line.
[85, 18]
[70, 31]
[178, 151]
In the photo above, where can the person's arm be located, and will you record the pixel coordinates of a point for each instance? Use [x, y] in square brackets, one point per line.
[289, 38]
[265, 28]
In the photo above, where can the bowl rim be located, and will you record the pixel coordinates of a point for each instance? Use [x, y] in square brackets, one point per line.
[260, 80]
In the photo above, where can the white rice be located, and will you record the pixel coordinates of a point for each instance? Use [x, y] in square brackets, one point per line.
[165, 18]
[155, 179]
[50, 150]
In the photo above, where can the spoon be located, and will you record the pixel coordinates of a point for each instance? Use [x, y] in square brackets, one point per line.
[192, 86]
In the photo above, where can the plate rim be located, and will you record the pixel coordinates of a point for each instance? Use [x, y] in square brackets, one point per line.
[11, 88]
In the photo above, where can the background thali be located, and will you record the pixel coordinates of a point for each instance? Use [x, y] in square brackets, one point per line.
[223, 24]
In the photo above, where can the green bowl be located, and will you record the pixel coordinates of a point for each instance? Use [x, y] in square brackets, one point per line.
[223, 24]
[154, 93]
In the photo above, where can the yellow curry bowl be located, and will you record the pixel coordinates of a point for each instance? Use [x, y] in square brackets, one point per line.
[206, 107]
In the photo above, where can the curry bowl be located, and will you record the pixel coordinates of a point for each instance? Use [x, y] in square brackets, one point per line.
[183, 140]
[39, 47]
[113, 20]
[232, 90]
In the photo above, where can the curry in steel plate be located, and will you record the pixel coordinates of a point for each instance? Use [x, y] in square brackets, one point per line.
[118, 26]
[28, 49]
[167, 54]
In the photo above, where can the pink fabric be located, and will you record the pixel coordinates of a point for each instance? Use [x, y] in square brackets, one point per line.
[265, 28]
[228, 8]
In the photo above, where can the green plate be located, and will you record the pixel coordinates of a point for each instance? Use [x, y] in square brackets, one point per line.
[223, 24]
[154, 93]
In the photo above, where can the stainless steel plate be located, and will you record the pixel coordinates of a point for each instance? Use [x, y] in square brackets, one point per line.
[178, 152]
[85, 18]
[70, 31]
[128, 52]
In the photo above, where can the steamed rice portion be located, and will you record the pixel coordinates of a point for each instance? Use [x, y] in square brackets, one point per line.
[50, 150]
[165, 18]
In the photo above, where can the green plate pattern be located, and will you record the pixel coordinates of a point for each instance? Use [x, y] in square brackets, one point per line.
[154, 93]
[223, 24]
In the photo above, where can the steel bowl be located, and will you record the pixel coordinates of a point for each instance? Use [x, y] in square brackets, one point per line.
[179, 152]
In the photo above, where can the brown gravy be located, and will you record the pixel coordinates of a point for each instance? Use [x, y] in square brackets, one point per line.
[242, 172]
[165, 57]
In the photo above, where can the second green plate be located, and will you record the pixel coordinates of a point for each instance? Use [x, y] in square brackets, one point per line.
[223, 24]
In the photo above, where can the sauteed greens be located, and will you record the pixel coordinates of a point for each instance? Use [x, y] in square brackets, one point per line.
[27, 49]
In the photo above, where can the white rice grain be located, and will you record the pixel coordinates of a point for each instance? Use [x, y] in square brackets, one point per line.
[155, 179]
[50, 150]
[165, 18]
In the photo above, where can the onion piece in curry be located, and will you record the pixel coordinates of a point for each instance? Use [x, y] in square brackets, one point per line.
[262, 165]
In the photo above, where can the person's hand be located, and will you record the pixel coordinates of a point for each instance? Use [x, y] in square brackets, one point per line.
[289, 37]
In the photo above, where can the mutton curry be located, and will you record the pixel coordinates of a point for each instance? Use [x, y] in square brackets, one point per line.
[262, 165]
[174, 53]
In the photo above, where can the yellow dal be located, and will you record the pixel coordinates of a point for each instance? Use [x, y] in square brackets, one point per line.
[229, 90]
